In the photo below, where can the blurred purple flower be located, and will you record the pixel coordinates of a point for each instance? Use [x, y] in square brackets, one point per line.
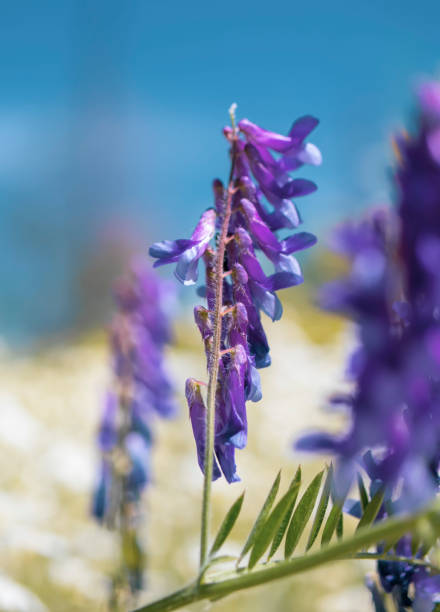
[393, 295]
[140, 389]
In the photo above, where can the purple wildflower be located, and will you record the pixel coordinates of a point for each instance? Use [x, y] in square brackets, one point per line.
[140, 389]
[186, 252]
[393, 294]
[411, 585]
[256, 203]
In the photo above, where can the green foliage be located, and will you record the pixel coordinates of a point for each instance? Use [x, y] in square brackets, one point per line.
[371, 510]
[261, 518]
[227, 524]
[274, 519]
[301, 515]
[363, 495]
[322, 507]
[296, 482]
[272, 524]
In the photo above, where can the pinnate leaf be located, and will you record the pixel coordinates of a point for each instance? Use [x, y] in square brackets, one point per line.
[363, 495]
[333, 522]
[272, 525]
[296, 482]
[261, 518]
[322, 507]
[371, 510]
[340, 527]
[301, 515]
[227, 524]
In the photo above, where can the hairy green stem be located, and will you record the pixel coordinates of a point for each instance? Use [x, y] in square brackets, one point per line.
[226, 583]
[399, 559]
[213, 366]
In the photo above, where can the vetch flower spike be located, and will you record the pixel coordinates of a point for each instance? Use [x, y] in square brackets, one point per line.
[140, 389]
[255, 203]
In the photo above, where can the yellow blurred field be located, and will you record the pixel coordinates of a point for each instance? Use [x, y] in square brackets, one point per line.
[50, 408]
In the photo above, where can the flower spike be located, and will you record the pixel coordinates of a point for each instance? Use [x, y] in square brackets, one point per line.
[248, 211]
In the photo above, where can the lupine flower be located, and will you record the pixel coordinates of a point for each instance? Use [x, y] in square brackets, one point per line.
[140, 389]
[256, 203]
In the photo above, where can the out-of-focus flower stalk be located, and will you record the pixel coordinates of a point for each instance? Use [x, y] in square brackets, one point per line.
[140, 388]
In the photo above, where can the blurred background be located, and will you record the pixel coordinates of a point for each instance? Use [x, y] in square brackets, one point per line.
[110, 134]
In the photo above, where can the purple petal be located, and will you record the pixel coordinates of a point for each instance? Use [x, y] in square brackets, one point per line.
[433, 141]
[429, 98]
[286, 263]
[219, 196]
[298, 242]
[310, 154]
[285, 216]
[107, 436]
[259, 230]
[302, 127]
[253, 385]
[169, 251]
[263, 137]
[300, 187]
[318, 441]
[231, 421]
[225, 454]
[266, 301]
[203, 322]
[253, 268]
[197, 412]
[283, 280]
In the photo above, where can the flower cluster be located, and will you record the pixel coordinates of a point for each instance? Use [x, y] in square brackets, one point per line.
[247, 214]
[140, 389]
[393, 294]
[398, 578]
[411, 585]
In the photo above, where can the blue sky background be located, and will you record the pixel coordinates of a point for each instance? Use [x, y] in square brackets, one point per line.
[111, 115]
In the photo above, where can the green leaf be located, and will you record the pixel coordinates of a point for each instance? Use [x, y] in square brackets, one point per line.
[265, 509]
[363, 495]
[332, 523]
[322, 507]
[340, 527]
[371, 510]
[416, 542]
[227, 525]
[296, 482]
[301, 515]
[390, 543]
[272, 525]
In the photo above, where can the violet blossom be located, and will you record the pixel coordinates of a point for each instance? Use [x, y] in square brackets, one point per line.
[256, 204]
[139, 390]
[392, 293]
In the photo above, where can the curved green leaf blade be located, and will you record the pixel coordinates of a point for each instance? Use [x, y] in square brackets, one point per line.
[296, 482]
[333, 522]
[259, 522]
[272, 524]
[227, 524]
[363, 495]
[301, 515]
[371, 510]
[322, 507]
[340, 527]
